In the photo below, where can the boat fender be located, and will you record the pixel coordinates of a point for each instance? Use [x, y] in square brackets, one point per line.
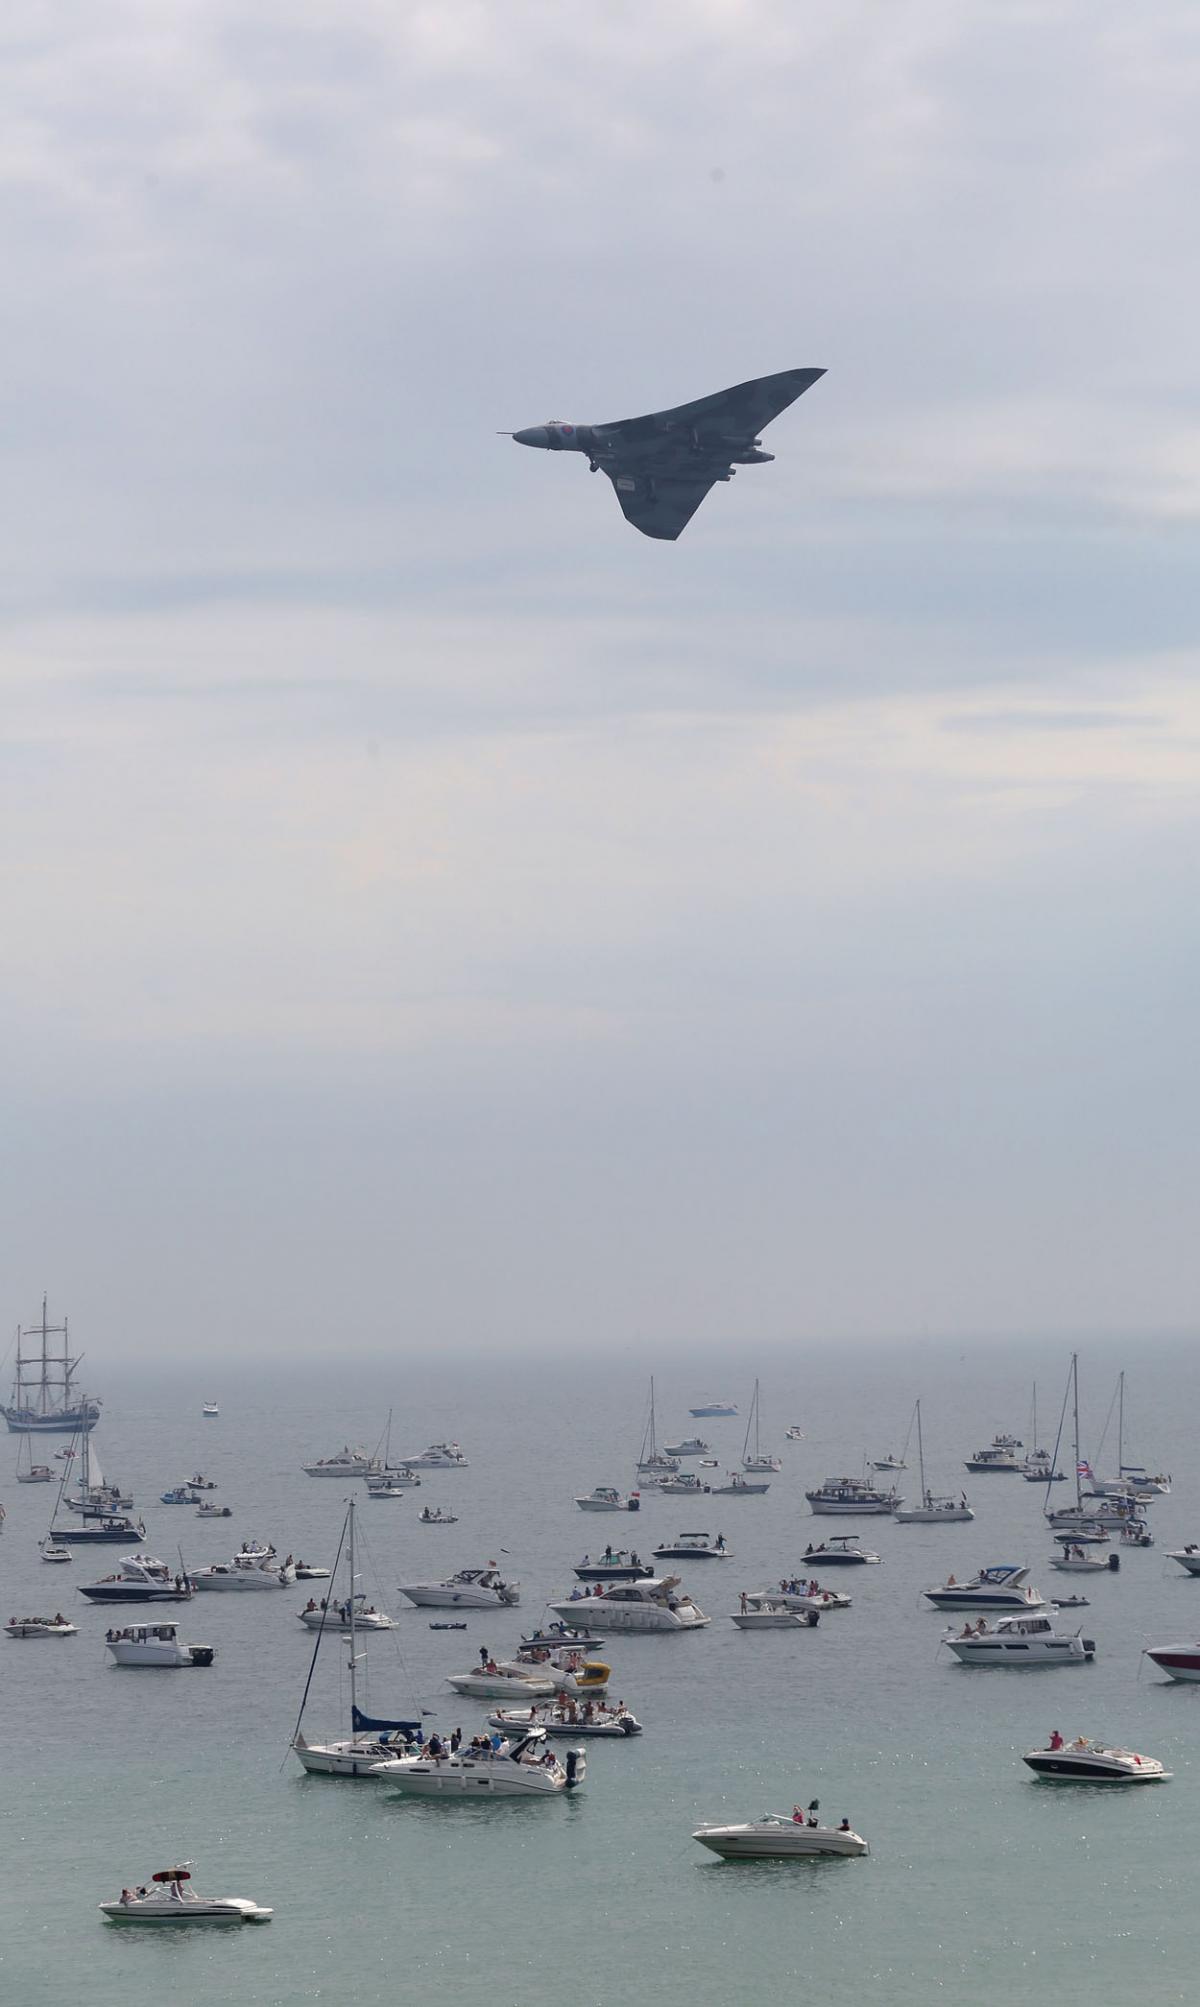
[1114, 1563]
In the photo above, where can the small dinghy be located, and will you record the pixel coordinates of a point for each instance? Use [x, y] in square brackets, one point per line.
[1071, 1603]
[775, 1837]
[460, 1626]
[171, 1900]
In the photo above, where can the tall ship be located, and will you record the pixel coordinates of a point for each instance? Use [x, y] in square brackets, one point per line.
[44, 1400]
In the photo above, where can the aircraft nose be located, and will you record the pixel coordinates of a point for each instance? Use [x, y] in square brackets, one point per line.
[533, 435]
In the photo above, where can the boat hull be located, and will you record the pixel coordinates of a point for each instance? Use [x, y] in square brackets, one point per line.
[924, 1515]
[1063, 1767]
[1182, 1662]
[1024, 1655]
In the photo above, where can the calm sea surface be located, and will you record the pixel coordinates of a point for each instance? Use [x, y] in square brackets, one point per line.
[978, 1878]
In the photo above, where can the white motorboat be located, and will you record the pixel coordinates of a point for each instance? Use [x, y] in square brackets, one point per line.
[526, 1768]
[210, 1411]
[470, 1589]
[437, 1517]
[711, 1410]
[348, 1463]
[999, 1588]
[336, 1616]
[614, 1565]
[756, 1460]
[890, 1463]
[389, 1479]
[841, 1550]
[794, 1434]
[371, 1741]
[571, 1675]
[248, 1571]
[1074, 1560]
[656, 1605]
[567, 1718]
[682, 1484]
[740, 1487]
[141, 1578]
[844, 1497]
[1188, 1557]
[932, 1511]
[1000, 1455]
[691, 1446]
[39, 1627]
[438, 1456]
[1087, 1762]
[1020, 1642]
[694, 1547]
[1181, 1661]
[806, 1595]
[606, 1498]
[488, 1682]
[155, 1645]
[761, 1611]
[385, 1488]
[168, 1899]
[52, 1550]
[199, 1482]
[209, 1509]
[307, 1571]
[775, 1837]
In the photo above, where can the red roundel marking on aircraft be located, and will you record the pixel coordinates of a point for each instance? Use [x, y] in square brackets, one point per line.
[566, 428]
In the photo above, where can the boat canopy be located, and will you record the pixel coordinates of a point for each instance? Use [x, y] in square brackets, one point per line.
[364, 1724]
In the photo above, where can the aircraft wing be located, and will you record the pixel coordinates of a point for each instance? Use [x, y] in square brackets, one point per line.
[662, 505]
[742, 410]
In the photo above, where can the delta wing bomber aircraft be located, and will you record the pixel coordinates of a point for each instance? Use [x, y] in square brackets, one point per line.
[663, 465]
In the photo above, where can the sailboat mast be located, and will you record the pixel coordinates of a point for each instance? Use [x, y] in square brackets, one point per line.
[1121, 1423]
[920, 1455]
[353, 1642]
[1075, 1390]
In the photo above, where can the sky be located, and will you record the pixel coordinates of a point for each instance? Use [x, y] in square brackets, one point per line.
[431, 911]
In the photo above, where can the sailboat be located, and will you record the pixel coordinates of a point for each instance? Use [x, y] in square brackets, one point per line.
[100, 1509]
[758, 1461]
[653, 1465]
[1132, 1479]
[1097, 1514]
[95, 1498]
[368, 1743]
[42, 1397]
[29, 1472]
[52, 1548]
[1038, 1467]
[931, 1511]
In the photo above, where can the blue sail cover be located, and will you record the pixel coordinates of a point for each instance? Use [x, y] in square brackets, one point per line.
[369, 1724]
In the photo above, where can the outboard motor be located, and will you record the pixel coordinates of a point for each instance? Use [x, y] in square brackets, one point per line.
[1114, 1563]
[575, 1766]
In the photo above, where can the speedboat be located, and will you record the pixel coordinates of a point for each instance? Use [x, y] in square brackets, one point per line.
[797, 1595]
[761, 1611]
[711, 1410]
[890, 1462]
[775, 1837]
[606, 1498]
[841, 1550]
[142, 1579]
[1020, 1642]
[526, 1768]
[566, 1718]
[1188, 1557]
[210, 1411]
[739, 1487]
[695, 1547]
[617, 1565]
[1074, 1560]
[439, 1456]
[470, 1589]
[654, 1605]
[558, 1637]
[155, 1645]
[307, 1571]
[1000, 1588]
[319, 1616]
[39, 1627]
[846, 1496]
[1085, 1762]
[199, 1482]
[52, 1551]
[250, 1570]
[1181, 1662]
[348, 1463]
[170, 1900]
[691, 1446]
[488, 1682]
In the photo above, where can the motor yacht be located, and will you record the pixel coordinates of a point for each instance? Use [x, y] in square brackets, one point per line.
[488, 1682]
[155, 1645]
[654, 1605]
[1001, 1455]
[606, 1498]
[999, 1588]
[348, 1463]
[322, 1616]
[739, 1487]
[39, 1627]
[570, 1674]
[1188, 1557]
[841, 1550]
[847, 1496]
[711, 1410]
[1019, 1641]
[567, 1718]
[251, 1570]
[470, 1589]
[1086, 1762]
[614, 1565]
[1180, 1662]
[775, 1837]
[691, 1446]
[438, 1456]
[141, 1578]
[170, 1900]
[761, 1611]
[694, 1547]
[526, 1768]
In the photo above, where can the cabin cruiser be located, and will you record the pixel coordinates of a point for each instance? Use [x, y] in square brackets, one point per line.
[179, 1494]
[488, 1681]
[851, 1495]
[606, 1498]
[775, 1837]
[39, 1627]
[142, 1579]
[1000, 1456]
[1086, 1762]
[685, 1484]
[439, 1456]
[694, 1547]
[1000, 1588]
[653, 1605]
[691, 1446]
[806, 1595]
[1188, 1557]
[348, 1463]
[525, 1768]
[470, 1589]
[436, 1517]
[320, 1616]
[253, 1568]
[1038, 1468]
[155, 1645]
[762, 1611]
[170, 1900]
[569, 1672]
[739, 1487]
[1019, 1641]
[567, 1718]
[711, 1410]
[614, 1565]
[841, 1550]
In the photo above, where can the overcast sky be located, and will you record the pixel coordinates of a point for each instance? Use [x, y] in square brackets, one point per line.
[433, 911]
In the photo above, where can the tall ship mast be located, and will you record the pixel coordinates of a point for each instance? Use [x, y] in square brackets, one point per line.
[43, 1398]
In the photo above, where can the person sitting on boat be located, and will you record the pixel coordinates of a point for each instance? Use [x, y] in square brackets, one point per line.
[310, 1605]
[1056, 1741]
[797, 1815]
[845, 1826]
[968, 1630]
[491, 1665]
[126, 1895]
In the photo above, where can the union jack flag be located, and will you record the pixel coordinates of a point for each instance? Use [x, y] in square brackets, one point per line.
[1084, 1469]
